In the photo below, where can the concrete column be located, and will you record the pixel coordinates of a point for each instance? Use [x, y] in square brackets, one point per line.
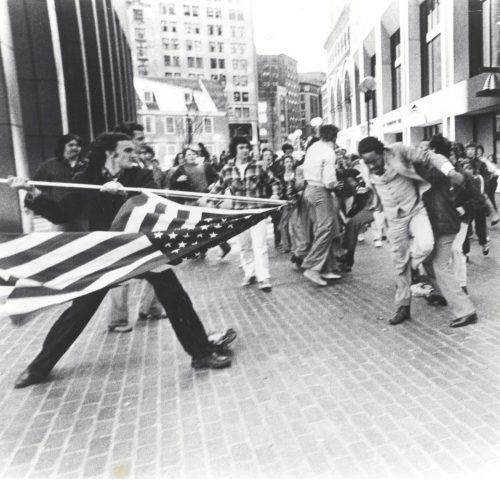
[410, 48]
[458, 11]
[383, 53]
[12, 120]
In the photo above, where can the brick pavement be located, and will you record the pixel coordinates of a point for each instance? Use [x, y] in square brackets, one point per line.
[321, 386]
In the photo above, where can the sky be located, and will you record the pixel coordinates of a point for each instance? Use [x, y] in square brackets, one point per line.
[297, 28]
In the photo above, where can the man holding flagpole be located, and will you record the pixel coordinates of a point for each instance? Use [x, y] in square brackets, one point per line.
[112, 161]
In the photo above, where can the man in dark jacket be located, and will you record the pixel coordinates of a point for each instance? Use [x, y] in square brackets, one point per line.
[112, 164]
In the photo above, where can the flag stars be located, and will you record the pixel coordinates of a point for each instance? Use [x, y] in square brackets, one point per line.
[213, 235]
[158, 234]
[173, 235]
[182, 244]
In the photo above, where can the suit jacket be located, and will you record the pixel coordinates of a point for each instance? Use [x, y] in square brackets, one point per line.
[403, 159]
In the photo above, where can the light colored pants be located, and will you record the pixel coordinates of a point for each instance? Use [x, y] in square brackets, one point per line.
[253, 251]
[411, 241]
[321, 256]
[150, 305]
[458, 258]
[301, 228]
[460, 304]
[379, 225]
[118, 305]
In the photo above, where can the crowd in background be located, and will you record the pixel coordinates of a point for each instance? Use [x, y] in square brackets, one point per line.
[326, 214]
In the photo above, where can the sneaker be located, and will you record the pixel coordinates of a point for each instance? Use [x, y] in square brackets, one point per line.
[212, 360]
[247, 281]
[330, 276]
[265, 286]
[377, 243]
[120, 328]
[486, 248]
[421, 289]
[315, 277]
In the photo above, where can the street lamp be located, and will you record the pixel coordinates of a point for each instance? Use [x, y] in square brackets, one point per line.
[368, 86]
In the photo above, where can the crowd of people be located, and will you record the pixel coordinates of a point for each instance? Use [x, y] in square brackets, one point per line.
[427, 202]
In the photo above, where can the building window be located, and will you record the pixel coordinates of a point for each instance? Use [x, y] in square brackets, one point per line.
[211, 46]
[221, 47]
[232, 15]
[395, 42]
[430, 35]
[187, 10]
[168, 74]
[169, 125]
[214, 76]
[244, 96]
[244, 80]
[217, 12]
[142, 70]
[237, 112]
[171, 8]
[149, 124]
[236, 64]
[213, 63]
[167, 60]
[163, 9]
[222, 79]
[197, 45]
[138, 15]
[210, 12]
[208, 126]
[189, 45]
[195, 11]
[348, 105]
[219, 30]
[190, 61]
[222, 63]
[237, 96]
[246, 112]
[148, 97]
[243, 64]
[141, 52]
[139, 33]
[236, 80]
[199, 62]
[211, 30]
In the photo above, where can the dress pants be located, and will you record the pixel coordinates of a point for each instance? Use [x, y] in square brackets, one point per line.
[352, 229]
[379, 225]
[447, 281]
[253, 252]
[301, 225]
[287, 241]
[459, 259]
[411, 240]
[73, 320]
[321, 256]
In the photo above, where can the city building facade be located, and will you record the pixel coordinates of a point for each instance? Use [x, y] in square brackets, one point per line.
[65, 66]
[200, 39]
[279, 108]
[179, 112]
[310, 84]
[429, 58]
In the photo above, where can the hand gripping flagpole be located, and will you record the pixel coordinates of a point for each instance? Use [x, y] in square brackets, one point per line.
[173, 193]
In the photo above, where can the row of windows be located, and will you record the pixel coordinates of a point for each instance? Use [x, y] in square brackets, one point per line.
[195, 29]
[170, 125]
[217, 63]
[238, 112]
[240, 96]
[194, 11]
[195, 62]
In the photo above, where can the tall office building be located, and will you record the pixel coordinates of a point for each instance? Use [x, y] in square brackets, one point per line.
[310, 99]
[200, 39]
[278, 97]
[65, 66]
[432, 60]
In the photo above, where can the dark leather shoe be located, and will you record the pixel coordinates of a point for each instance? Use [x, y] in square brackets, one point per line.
[402, 314]
[463, 321]
[436, 299]
[343, 267]
[212, 360]
[28, 377]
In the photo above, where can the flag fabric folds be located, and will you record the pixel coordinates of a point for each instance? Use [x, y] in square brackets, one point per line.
[38, 270]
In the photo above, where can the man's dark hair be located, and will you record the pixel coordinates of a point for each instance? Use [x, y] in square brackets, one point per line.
[147, 149]
[104, 142]
[440, 145]
[470, 145]
[128, 128]
[480, 147]
[63, 140]
[370, 144]
[235, 141]
[286, 146]
[328, 133]
[458, 149]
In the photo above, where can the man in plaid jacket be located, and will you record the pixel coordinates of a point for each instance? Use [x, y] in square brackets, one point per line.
[247, 178]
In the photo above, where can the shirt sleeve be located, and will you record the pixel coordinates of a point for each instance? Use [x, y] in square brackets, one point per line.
[329, 174]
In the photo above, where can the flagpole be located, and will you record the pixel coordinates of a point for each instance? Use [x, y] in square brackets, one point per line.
[174, 193]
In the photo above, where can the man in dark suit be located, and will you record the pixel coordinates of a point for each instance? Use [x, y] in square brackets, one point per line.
[112, 164]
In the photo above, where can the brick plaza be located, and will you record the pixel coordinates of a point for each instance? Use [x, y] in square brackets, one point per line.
[321, 385]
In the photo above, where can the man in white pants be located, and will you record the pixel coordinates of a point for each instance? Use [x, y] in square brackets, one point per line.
[247, 178]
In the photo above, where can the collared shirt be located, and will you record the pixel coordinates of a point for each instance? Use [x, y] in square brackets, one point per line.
[254, 182]
[398, 194]
[319, 165]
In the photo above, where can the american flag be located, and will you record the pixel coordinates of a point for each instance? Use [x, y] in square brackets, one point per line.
[38, 270]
